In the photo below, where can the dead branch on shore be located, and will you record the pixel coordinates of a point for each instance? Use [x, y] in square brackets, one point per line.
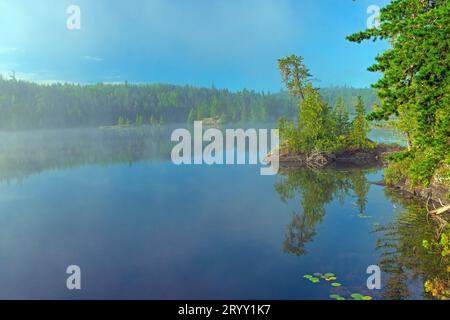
[440, 210]
[435, 215]
[317, 160]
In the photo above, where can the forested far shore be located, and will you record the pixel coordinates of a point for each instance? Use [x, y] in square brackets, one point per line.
[27, 105]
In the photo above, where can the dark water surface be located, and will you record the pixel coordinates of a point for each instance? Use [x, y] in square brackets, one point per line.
[140, 227]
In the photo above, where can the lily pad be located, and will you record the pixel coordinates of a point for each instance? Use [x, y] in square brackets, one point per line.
[335, 296]
[331, 278]
[307, 276]
[336, 284]
[314, 280]
[367, 298]
[357, 296]
[329, 274]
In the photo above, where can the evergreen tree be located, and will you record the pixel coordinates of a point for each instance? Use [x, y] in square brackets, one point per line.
[360, 127]
[415, 86]
[121, 121]
[341, 118]
[139, 120]
[152, 121]
[214, 107]
[191, 117]
[320, 128]
[295, 75]
[314, 122]
[26, 105]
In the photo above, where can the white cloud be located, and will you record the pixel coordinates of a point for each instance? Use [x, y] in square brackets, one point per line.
[7, 71]
[42, 78]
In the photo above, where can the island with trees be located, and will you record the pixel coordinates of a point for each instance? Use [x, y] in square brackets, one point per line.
[414, 99]
[324, 135]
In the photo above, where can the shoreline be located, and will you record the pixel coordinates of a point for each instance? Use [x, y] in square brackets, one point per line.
[369, 158]
[358, 157]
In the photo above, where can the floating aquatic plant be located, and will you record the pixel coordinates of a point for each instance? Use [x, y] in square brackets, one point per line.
[329, 276]
[314, 280]
[336, 297]
[336, 284]
[356, 296]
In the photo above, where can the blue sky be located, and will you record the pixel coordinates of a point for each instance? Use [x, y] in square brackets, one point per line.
[229, 43]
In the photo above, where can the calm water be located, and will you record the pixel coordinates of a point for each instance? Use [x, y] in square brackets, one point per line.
[140, 227]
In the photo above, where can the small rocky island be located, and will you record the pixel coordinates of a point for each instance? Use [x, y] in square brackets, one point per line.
[357, 157]
[436, 191]
[325, 135]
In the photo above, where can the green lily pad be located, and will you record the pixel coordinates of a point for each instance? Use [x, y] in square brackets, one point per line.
[337, 297]
[357, 296]
[336, 284]
[314, 280]
[331, 278]
[367, 298]
[329, 274]
[307, 276]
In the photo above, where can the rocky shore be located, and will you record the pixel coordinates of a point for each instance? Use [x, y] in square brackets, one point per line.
[362, 158]
[436, 192]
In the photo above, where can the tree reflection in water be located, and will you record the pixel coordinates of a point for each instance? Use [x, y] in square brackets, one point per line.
[406, 264]
[403, 258]
[317, 188]
[30, 152]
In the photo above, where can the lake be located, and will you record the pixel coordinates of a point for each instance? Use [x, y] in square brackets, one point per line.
[140, 227]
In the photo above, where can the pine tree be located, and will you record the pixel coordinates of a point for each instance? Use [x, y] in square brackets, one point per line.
[192, 116]
[295, 75]
[315, 123]
[214, 107]
[139, 120]
[415, 86]
[152, 121]
[341, 118]
[121, 121]
[360, 127]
